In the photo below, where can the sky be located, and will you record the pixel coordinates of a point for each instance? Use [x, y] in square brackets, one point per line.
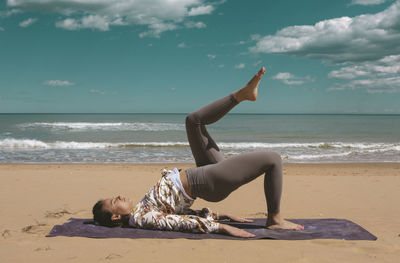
[174, 56]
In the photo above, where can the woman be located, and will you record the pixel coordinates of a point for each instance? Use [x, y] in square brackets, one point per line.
[167, 205]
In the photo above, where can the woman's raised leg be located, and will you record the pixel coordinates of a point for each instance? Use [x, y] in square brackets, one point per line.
[204, 149]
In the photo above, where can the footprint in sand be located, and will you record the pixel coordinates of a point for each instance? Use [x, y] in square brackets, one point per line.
[6, 233]
[57, 213]
[43, 248]
[34, 229]
[113, 256]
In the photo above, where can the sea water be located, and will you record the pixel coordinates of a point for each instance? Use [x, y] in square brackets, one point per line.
[134, 138]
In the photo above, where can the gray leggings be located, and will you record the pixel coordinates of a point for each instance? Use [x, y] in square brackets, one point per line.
[215, 178]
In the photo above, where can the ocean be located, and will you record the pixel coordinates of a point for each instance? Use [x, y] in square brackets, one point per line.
[147, 138]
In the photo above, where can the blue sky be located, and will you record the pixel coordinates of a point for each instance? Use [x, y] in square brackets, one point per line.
[173, 56]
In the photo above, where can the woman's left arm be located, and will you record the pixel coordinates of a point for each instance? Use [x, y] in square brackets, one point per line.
[207, 213]
[218, 216]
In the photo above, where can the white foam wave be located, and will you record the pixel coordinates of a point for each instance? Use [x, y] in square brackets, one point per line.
[12, 143]
[105, 126]
[25, 143]
[317, 156]
[320, 145]
[36, 144]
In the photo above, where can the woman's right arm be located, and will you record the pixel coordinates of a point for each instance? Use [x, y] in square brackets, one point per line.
[173, 222]
[233, 231]
[191, 223]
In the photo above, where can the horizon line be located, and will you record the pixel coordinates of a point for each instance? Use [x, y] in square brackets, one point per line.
[164, 113]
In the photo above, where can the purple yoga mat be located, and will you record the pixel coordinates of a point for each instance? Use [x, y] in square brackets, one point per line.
[329, 228]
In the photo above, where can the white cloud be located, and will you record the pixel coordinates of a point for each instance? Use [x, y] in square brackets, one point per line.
[338, 40]
[58, 83]
[381, 76]
[221, 66]
[182, 45]
[201, 10]
[283, 75]
[157, 28]
[255, 37]
[156, 16]
[191, 24]
[240, 66]
[290, 79]
[365, 46]
[389, 65]
[1, 29]
[69, 24]
[367, 2]
[95, 22]
[211, 56]
[347, 73]
[377, 85]
[27, 22]
[101, 92]
[9, 12]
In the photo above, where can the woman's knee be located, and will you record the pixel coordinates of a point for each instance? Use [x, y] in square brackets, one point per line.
[273, 158]
[192, 118]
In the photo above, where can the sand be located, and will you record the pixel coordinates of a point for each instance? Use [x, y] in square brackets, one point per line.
[35, 197]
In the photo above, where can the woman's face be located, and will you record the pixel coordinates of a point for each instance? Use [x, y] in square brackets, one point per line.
[118, 205]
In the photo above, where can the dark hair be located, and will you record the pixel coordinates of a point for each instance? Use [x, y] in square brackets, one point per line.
[102, 216]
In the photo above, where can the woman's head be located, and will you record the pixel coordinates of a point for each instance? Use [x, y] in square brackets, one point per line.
[112, 211]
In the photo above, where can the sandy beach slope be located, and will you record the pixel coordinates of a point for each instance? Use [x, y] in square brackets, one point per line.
[35, 197]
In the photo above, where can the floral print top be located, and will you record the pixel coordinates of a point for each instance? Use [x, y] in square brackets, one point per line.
[167, 207]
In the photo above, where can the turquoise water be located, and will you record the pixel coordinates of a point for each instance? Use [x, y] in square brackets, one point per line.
[123, 138]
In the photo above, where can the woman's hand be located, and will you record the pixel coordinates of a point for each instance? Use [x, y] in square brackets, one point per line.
[233, 218]
[234, 231]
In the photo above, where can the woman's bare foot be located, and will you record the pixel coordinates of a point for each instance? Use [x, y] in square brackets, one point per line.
[249, 92]
[275, 222]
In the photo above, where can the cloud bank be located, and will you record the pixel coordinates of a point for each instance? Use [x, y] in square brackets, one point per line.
[345, 39]
[382, 76]
[365, 47]
[157, 16]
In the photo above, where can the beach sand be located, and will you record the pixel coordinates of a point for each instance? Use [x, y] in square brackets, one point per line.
[35, 197]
